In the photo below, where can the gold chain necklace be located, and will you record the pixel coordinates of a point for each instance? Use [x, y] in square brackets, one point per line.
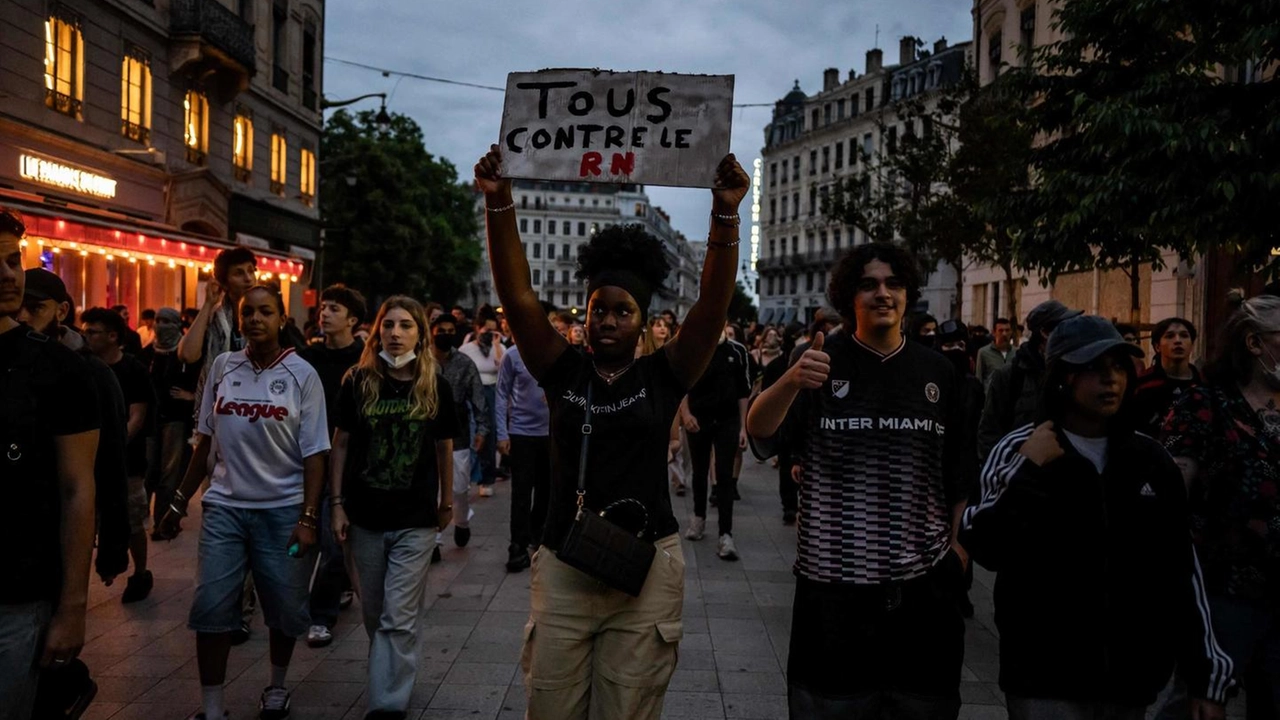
[609, 377]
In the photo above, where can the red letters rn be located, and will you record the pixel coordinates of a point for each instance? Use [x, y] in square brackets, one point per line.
[253, 411]
[620, 165]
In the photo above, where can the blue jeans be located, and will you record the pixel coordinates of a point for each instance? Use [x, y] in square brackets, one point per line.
[234, 541]
[22, 629]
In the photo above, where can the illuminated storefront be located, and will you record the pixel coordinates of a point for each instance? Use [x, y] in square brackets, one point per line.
[97, 221]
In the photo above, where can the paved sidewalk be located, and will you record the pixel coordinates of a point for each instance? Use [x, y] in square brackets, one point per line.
[737, 621]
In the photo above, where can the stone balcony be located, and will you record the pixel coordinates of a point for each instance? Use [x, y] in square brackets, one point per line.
[212, 45]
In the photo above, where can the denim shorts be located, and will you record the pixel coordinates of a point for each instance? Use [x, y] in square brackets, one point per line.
[234, 541]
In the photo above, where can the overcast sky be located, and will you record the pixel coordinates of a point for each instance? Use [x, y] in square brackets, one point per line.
[767, 44]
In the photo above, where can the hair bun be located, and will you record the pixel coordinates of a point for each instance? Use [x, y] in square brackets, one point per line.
[1235, 299]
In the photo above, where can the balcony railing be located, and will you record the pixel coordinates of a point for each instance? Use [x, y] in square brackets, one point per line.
[218, 27]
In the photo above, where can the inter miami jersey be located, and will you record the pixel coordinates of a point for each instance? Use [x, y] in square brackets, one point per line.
[883, 464]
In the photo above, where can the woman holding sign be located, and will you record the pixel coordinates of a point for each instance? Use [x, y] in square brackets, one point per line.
[603, 628]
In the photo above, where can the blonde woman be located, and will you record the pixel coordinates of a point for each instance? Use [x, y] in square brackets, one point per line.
[392, 444]
[655, 336]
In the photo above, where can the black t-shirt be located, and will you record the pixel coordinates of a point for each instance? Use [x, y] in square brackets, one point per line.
[631, 426]
[390, 479]
[45, 392]
[167, 371]
[135, 383]
[726, 381]
[331, 364]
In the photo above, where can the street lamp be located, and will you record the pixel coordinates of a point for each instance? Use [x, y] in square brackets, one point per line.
[382, 120]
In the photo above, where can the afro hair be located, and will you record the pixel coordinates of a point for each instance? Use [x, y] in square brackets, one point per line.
[624, 247]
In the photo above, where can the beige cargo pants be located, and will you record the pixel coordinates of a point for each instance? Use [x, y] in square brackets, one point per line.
[593, 652]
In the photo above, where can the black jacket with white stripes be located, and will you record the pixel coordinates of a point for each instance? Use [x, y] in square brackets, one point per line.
[1098, 590]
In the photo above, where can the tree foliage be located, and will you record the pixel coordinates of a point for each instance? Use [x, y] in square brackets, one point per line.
[396, 218]
[1159, 129]
[742, 308]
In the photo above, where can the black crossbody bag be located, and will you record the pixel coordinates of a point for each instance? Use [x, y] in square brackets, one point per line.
[611, 554]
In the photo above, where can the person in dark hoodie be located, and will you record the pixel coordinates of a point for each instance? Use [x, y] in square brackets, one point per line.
[1098, 590]
[1013, 391]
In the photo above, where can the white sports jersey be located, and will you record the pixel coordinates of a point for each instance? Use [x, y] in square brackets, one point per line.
[263, 422]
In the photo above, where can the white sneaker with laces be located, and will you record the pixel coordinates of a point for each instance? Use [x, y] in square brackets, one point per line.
[319, 636]
[697, 528]
[726, 549]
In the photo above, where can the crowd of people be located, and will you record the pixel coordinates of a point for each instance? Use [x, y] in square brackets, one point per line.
[1128, 510]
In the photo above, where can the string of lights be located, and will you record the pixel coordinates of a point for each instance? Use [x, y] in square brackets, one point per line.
[388, 72]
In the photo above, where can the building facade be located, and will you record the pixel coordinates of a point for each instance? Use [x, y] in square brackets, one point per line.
[815, 141]
[556, 218]
[138, 139]
[1005, 32]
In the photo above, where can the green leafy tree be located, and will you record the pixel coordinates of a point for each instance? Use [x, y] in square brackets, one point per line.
[397, 219]
[903, 190]
[742, 308]
[989, 177]
[1158, 130]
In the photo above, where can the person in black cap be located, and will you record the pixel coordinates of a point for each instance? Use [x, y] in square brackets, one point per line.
[1084, 520]
[45, 305]
[591, 650]
[952, 340]
[1014, 389]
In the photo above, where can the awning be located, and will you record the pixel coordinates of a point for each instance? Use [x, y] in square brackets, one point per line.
[130, 236]
[788, 316]
[766, 316]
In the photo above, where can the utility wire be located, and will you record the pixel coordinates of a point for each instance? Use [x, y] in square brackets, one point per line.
[387, 72]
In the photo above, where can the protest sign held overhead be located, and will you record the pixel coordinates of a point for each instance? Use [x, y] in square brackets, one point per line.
[616, 127]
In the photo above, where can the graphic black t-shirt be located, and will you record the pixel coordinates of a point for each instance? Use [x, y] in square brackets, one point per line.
[391, 481]
[135, 382]
[45, 392]
[631, 424]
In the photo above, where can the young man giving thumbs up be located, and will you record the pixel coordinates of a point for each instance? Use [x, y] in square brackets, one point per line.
[876, 631]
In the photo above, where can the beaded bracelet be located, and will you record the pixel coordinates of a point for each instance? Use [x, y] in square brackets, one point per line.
[504, 208]
[733, 220]
[724, 244]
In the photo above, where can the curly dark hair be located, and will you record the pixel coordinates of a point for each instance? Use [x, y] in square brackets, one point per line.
[625, 247]
[229, 258]
[845, 277]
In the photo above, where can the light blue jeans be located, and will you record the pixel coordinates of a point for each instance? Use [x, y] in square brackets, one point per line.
[22, 629]
[392, 569]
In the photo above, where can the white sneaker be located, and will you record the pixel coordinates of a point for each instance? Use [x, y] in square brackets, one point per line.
[726, 549]
[319, 636]
[697, 528]
[486, 491]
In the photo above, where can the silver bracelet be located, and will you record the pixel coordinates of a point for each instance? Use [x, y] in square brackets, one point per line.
[724, 243]
[504, 208]
[735, 219]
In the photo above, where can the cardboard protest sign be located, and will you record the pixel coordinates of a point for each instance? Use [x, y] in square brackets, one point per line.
[616, 127]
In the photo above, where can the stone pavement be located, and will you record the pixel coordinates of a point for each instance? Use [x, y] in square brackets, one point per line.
[737, 618]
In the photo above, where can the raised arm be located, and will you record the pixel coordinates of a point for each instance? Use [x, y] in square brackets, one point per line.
[540, 345]
[691, 349]
[191, 346]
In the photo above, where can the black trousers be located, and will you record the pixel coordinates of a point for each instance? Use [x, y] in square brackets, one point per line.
[720, 434]
[878, 651]
[530, 485]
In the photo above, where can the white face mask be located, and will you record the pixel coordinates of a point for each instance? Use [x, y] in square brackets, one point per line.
[397, 362]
